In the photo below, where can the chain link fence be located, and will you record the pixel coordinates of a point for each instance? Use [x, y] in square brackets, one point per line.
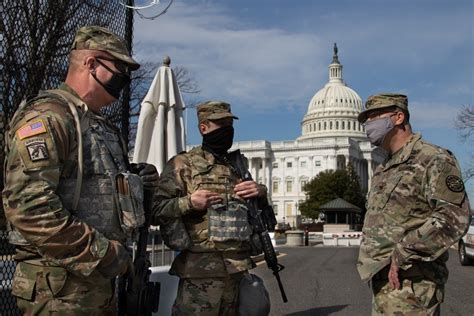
[35, 37]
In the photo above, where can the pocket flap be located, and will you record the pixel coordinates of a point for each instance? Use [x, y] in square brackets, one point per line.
[24, 282]
[56, 277]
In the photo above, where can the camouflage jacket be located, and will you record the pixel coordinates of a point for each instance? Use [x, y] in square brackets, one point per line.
[182, 175]
[417, 208]
[40, 173]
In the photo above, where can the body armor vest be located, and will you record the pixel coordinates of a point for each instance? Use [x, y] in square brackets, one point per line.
[225, 224]
[104, 158]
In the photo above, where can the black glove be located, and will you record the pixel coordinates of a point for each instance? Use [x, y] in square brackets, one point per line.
[147, 173]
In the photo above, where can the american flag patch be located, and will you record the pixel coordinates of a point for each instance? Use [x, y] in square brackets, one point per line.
[31, 129]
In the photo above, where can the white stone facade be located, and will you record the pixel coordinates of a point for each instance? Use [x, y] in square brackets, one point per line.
[331, 137]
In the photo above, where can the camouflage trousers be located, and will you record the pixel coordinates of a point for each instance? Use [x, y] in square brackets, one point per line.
[41, 290]
[416, 297]
[208, 296]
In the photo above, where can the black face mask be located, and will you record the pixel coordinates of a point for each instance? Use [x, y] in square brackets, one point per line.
[219, 141]
[116, 83]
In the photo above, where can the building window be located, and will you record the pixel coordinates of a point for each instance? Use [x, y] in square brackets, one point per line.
[317, 163]
[275, 187]
[330, 125]
[303, 183]
[319, 126]
[337, 124]
[275, 209]
[343, 126]
[289, 209]
[325, 125]
[289, 165]
[275, 165]
[303, 164]
[289, 186]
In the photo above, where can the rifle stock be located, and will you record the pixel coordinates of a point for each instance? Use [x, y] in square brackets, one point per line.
[137, 295]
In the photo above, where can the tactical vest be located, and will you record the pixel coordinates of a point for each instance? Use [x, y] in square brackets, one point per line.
[103, 158]
[225, 225]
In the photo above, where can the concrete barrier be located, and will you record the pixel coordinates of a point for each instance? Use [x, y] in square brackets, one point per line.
[294, 237]
[342, 239]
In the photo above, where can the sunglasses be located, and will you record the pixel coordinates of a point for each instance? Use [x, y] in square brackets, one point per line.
[119, 65]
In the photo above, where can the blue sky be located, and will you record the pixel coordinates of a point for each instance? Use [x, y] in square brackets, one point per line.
[269, 57]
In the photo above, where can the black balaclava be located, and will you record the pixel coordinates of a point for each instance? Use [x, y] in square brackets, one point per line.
[116, 83]
[219, 141]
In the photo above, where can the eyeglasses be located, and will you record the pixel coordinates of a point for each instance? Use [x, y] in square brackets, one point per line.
[119, 65]
[376, 116]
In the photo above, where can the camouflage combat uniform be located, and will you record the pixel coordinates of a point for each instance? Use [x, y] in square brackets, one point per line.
[211, 269]
[417, 208]
[66, 259]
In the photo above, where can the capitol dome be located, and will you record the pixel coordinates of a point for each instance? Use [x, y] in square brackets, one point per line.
[333, 110]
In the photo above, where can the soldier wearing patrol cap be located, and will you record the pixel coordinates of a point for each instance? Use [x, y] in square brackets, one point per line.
[201, 190]
[417, 208]
[58, 194]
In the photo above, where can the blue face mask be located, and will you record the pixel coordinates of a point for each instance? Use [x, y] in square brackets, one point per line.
[376, 130]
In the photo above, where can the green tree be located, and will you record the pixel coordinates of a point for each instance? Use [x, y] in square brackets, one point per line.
[329, 185]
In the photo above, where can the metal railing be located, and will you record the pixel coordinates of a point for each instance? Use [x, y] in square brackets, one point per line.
[160, 255]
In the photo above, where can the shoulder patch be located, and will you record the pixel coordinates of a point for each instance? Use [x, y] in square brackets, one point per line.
[31, 129]
[454, 183]
[37, 149]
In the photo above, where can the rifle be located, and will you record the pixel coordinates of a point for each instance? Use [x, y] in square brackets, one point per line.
[262, 221]
[141, 296]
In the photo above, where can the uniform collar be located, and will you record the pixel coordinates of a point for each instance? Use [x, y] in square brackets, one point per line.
[65, 87]
[204, 154]
[403, 153]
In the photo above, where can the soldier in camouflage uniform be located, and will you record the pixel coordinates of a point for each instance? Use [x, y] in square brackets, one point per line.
[201, 188]
[417, 208]
[58, 195]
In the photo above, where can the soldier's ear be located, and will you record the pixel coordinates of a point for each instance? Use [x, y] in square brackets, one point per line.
[89, 62]
[203, 127]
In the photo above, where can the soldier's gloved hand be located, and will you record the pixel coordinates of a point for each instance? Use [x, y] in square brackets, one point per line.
[128, 269]
[147, 173]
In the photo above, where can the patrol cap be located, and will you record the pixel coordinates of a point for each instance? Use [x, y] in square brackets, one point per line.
[214, 110]
[99, 38]
[383, 100]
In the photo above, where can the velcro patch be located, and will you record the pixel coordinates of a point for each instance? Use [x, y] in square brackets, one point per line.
[454, 183]
[37, 149]
[31, 129]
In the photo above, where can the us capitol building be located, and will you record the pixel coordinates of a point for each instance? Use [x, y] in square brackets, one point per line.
[331, 137]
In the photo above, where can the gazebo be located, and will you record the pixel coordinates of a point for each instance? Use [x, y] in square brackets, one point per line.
[339, 211]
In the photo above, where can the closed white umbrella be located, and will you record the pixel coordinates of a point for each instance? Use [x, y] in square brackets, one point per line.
[160, 133]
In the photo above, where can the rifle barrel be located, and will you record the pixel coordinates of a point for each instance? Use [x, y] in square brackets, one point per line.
[280, 285]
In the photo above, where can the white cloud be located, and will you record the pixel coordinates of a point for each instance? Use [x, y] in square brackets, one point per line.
[261, 68]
